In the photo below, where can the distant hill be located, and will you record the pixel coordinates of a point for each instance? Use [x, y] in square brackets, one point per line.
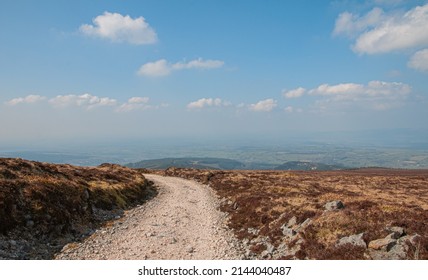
[307, 166]
[228, 164]
[192, 162]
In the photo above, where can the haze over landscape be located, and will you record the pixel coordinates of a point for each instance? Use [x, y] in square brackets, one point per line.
[123, 82]
[214, 130]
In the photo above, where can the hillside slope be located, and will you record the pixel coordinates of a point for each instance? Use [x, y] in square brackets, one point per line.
[43, 206]
[349, 214]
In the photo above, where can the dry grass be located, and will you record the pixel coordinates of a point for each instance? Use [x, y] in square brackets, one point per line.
[62, 198]
[373, 198]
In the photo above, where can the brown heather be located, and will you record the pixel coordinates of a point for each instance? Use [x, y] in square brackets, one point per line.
[53, 200]
[374, 199]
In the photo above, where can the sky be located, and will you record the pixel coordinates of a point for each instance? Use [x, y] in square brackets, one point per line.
[88, 71]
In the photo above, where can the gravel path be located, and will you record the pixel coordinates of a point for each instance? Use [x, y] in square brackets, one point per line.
[181, 222]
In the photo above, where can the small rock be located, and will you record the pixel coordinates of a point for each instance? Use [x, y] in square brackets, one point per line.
[265, 254]
[12, 243]
[235, 206]
[398, 252]
[334, 205]
[304, 225]
[190, 249]
[396, 232]
[270, 248]
[173, 241]
[382, 244]
[86, 194]
[355, 240]
[29, 223]
[413, 239]
[253, 231]
[288, 232]
[292, 222]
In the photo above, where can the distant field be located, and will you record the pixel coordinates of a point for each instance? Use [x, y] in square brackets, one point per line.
[261, 202]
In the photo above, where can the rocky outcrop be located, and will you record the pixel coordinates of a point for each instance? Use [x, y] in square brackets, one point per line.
[354, 240]
[395, 246]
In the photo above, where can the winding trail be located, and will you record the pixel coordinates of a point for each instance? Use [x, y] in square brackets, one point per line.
[181, 222]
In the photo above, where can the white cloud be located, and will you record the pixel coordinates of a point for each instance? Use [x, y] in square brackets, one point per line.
[295, 93]
[87, 101]
[354, 91]
[28, 99]
[379, 32]
[163, 68]
[419, 60]
[198, 64]
[289, 109]
[135, 103]
[207, 102]
[349, 24]
[155, 69]
[377, 95]
[266, 105]
[119, 28]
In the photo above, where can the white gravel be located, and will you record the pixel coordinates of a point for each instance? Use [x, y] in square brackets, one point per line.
[181, 222]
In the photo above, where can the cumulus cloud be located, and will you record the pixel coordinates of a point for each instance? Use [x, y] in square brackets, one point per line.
[350, 24]
[419, 60]
[372, 89]
[378, 95]
[380, 32]
[27, 99]
[295, 93]
[207, 102]
[289, 109]
[163, 68]
[134, 103]
[266, 105]
[155, 69]
[86, 100]
[119, 28]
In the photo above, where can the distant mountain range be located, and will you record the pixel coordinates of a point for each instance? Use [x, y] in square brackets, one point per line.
[228, 164]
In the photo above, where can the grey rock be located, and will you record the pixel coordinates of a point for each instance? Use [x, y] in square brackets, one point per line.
[235, 206]
[270, 248]
[12, 243]
[355, 240]
[288, 232]
[265, 254]
[398, 252]
[334, 205]
[29, 223]
[86, 194]
[412, 239]
[384, 244]
[395, 232]
[292, 222]
[190, 249]
[304, 225]
[253, 231]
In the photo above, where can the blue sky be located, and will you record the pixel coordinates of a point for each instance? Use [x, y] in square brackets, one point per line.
[90, 70]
